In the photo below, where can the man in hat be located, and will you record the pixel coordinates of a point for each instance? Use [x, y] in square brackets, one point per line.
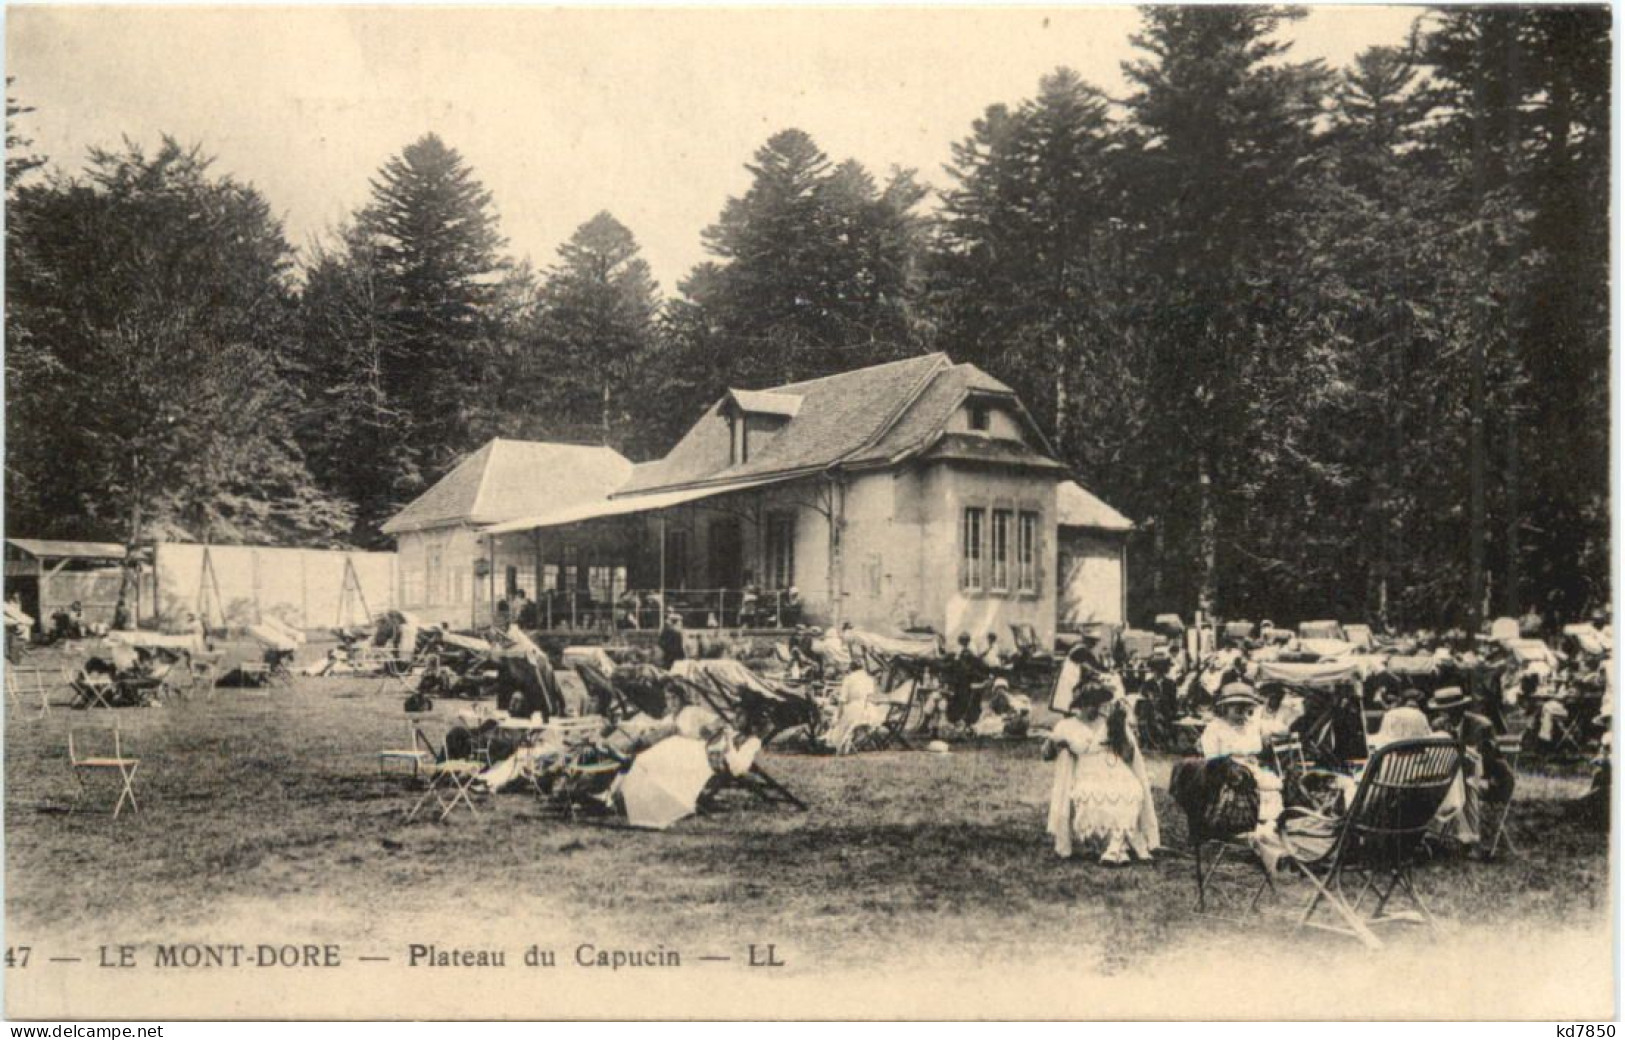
[670, 640]
[1087, 655]
[1160, 687]
[1488, 778]
[966, 673]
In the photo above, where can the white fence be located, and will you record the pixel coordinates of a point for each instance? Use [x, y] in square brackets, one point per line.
[302, 587]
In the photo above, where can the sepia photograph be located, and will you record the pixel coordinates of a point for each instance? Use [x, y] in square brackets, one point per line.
[784, 513]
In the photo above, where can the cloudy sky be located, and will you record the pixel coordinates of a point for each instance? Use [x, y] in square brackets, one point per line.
[648, 113]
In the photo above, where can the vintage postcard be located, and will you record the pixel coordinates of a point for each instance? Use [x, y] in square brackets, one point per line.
[784, 513]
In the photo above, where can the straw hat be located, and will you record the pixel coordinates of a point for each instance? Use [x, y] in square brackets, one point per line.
[1236, 693]
[1448, 698]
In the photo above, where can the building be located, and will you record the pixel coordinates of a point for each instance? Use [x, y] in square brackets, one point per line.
[918, 493]
[444, 572]
[1092, 560]
[48, 576]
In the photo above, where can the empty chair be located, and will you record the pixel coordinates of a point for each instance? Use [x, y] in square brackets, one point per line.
[450, 779]
[414, 752]
[119, 764]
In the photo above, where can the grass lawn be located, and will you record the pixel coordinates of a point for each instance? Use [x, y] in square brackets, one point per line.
[923, 883]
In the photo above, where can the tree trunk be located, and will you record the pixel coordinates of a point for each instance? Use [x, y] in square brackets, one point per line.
[1207, 536]
[1480, 329]
[1060, 394]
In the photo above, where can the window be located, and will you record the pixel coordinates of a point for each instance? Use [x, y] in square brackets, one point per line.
[970, 559]
[676, 559]
[978, 417]
[605, 582]
[511, 584]
[1027, 553]
[781, 550]
[999, 552]
[411, 587]
[550, 576]
[436, 580]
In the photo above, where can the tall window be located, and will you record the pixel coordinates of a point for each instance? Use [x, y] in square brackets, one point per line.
[676, 559]
[1027, 553]
[970, 559]
[999, 554]
[781, 550]
[436, 592]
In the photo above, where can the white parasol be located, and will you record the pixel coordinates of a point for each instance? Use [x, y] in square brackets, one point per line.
[665, 783]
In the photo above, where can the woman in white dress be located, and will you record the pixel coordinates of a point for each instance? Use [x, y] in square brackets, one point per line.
[1100, 789]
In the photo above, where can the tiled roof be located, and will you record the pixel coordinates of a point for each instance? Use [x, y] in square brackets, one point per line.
[46, 549]
[505, 479]
[1078, 508]
[869, 415]
[925, 418]
[839, 414]
[767, 402]
[974, 447]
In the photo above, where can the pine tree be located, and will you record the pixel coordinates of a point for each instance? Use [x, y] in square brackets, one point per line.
[596, 326]
[436, 249]
[1220, 143]
[817, 267]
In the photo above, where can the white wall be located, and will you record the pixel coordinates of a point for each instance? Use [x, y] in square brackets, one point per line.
[988, 610]
[299, 586]
[1092, 582]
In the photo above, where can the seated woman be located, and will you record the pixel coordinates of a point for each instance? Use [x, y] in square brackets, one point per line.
[1235, 733]
[859, 707]
[1100, 789]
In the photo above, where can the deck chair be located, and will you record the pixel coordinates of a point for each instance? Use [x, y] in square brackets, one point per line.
[1025, 636]
[1378, 841]
[451, 780]
[118, 763]
[1496, 814]
[604, 691]
[757, 781]
[413, 751]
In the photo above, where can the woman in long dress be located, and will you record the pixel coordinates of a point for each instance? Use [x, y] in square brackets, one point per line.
[1100, 791]
[1235, 733]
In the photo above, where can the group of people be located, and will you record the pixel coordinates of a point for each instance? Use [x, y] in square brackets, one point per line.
[1100, 796]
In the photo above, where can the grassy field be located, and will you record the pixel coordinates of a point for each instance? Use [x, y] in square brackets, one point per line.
[263, 812]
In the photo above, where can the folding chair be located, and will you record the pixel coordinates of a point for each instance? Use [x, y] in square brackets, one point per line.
[1218, 821]
[92, 689]
[899, 708]
[1378, 840]
[202, 670]
[117, 763]
[1496, 835]
[450, 779]
[25, 683]
[1571, 729]
[415, 752]
[1213, 855]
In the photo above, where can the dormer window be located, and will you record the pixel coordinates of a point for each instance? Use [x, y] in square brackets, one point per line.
[979, 417]
[759, 412]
